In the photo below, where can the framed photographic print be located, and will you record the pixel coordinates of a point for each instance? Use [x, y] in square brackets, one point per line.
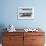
[25, 13]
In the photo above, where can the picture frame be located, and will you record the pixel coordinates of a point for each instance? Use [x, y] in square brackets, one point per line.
[25, 13]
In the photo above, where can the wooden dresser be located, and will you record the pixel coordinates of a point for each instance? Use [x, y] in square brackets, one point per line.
[23, 38]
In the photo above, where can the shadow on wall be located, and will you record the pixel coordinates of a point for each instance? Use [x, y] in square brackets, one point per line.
[2, 26]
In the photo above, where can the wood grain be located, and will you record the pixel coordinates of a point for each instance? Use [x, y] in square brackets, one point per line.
[23, 38]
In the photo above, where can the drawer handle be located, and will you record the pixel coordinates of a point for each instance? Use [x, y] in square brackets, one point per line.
[11, 38]
[33, 39]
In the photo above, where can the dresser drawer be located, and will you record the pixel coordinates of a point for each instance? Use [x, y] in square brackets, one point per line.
[12, 39]
[27, 41]
[37, 39]
[34, 33]
[13, 44]
[37, 44]
[13, 33]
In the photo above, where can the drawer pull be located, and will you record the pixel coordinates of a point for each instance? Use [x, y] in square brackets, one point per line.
[33, 39]
[10, 38]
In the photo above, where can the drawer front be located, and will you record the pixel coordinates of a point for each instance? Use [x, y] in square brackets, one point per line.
[37, 44]
[34, 39]
[27, 41]
[13, 40]
[34, 33]
[13, 33]
[12, 44]
[37, 39]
